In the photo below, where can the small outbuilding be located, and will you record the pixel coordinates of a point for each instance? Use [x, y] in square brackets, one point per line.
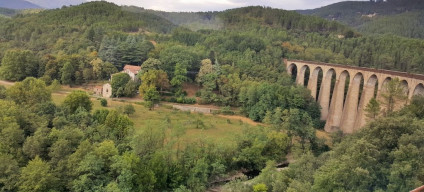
[107, 90]
[98, 90]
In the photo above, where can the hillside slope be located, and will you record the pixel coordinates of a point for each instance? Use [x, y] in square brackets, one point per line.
[49, 4]
[78, 26]
[18, 4]
[248, 17]
[400, 17]
[7, 12]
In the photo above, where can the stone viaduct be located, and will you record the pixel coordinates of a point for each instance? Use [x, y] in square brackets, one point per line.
[343, 104]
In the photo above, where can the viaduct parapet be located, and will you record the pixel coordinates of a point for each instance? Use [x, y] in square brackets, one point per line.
[343, 111]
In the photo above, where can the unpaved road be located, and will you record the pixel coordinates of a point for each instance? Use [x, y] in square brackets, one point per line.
[7, 83]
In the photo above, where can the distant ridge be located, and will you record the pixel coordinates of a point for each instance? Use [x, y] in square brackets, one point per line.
[18, 4]
[52, 4]
[399, 17]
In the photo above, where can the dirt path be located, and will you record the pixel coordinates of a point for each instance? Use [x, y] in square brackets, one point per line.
[6, 83]
[244, 119]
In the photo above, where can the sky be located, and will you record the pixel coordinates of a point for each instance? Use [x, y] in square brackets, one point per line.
[219, 5]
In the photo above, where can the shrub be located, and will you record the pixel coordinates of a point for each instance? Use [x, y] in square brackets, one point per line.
[198, 93]
[183, 100]
[129, 109]
[103, 102]
[149, 105]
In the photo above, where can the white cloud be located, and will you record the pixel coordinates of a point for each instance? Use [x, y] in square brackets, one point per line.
[219, 5]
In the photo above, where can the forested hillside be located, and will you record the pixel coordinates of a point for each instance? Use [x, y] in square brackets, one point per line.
[404, 16]
[7, 12]
[81, 26]
[236, 60]
[408, 24]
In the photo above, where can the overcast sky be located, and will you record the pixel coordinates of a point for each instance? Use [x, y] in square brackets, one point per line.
[219, 5]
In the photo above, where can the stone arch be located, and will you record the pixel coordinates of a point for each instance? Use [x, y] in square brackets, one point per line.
[385, 81]
[336, 107]
[291, 67]
[303, 76]
[372, 82]
[325, 91]
[419, 90]
[292, 70]
[315, 81]
[405, 86]
[350, 108]
[346, 75]
[368, 93]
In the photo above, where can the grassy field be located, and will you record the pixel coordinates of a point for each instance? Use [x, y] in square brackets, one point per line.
[219, 129]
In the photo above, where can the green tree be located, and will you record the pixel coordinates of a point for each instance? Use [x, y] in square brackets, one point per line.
[118, 83]
[9, 172]
[372, 109]
[2, 92]
[198, 176]
[205, 68]
[103, 102]
[129, 109]
[17, 64]
[77, 99]
[36, 176]
[260, 188]
[299, 124]
[393, 92]
[151, 95]
[68, 72]
[131, 88]
[151, 64]
[179, 75]
[119, 126]
[177, 54]
[30, 91]
[156, 78]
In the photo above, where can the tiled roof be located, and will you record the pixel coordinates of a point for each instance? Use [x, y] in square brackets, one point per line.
[134, 69]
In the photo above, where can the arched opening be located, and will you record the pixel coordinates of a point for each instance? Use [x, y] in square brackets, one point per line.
[333, 81]
[346, 85]
[419, 90]
[368, 92]
[319, 73]
[307, 73]
[405, 87]
[373, 79]
[387, 80]
[292, 70]
[359, 78]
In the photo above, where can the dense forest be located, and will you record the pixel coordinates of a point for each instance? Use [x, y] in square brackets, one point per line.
[236, 58]
[399, 17]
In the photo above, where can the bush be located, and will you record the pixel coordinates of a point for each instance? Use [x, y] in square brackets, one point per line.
[198, 93]
[149, 105]
[103, 102]
[183, 100]
[129, 109]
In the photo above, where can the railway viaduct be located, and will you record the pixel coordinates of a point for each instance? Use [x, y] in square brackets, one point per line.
[343, 103]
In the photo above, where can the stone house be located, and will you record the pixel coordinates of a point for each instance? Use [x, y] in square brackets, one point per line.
[98, 90]
[132, 71]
